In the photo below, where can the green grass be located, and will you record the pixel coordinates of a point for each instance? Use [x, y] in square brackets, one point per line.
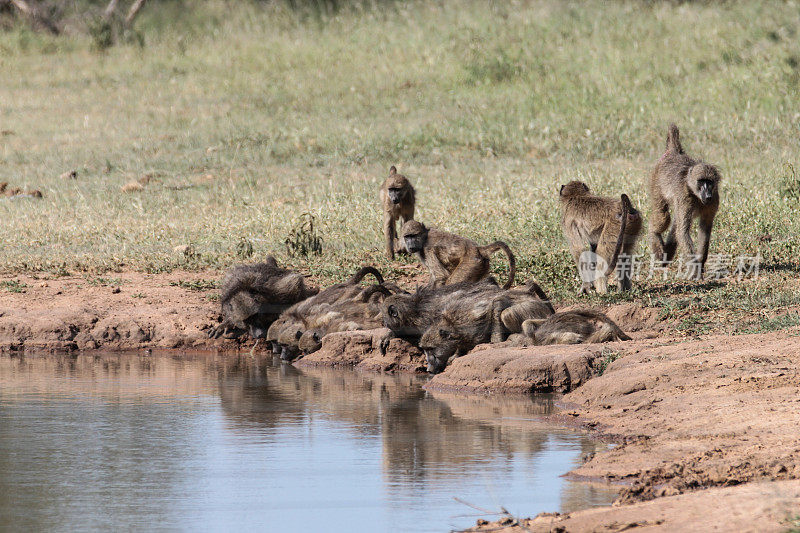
[197, 285]
[248, 115]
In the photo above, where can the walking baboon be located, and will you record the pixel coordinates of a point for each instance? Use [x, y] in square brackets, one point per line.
[451, 258]
[253, 296]
[471, 319]
[398, 199]
[690, 189]
[572, 327]
[609, 226]
[285, 333]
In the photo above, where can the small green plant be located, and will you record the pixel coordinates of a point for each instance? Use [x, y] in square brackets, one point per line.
[244, 248]
[138, 295]
[793, 524]
[771, 324]
[104, 282]
[197, 285]
[303, 239]
[789, 185]
[13, 285]
[606, 358]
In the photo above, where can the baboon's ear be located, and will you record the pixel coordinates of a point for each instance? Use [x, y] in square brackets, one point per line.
[393, 170]
[561, 190]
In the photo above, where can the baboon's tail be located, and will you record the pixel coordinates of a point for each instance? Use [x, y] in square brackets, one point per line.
[512, 261]
[377, 288]
[674, 140]
[626, 211]
[534, 288]
[358, 276]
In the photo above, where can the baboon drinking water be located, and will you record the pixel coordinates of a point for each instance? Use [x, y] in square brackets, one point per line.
[286, 331]
[490, 315]
[690, 189]
[253, 296]
[609, 226]
[451, 258]
[398, 200]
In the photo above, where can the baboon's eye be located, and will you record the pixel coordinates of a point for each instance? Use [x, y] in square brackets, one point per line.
[444, 334]
[392, 311]
[298, 335]
[316, 337]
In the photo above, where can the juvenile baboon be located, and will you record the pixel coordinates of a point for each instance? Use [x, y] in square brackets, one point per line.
[398, 200]
[608, 225]
[690, 189]
[469, 320]
[253, 296]
[285, 333]
[451, 258]
[573, 327]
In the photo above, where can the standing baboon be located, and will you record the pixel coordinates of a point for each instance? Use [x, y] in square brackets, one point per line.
[690, 188]
[572, 327]
[397, 199]
[253, 296]
[451, 258]
[609, 226]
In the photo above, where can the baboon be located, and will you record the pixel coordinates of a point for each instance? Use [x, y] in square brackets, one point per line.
[408, 316]
[690, 189]
[398, 200]
[609, 226]
[253, 296]
[467, 321]
[451, 258]
[16, 192]
[285, 333]
[573, 327]
[358, 313]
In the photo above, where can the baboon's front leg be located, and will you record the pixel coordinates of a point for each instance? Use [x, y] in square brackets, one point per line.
[389, 232]
[704, 239]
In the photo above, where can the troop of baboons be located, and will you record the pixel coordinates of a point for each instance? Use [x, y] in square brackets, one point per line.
[462, 305]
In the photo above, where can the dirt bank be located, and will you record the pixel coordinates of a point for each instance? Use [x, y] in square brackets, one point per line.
[698, 420]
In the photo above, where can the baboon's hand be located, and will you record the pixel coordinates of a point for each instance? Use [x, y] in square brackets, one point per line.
[384, 344]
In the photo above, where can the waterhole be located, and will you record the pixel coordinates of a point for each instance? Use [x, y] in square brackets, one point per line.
[207, 442]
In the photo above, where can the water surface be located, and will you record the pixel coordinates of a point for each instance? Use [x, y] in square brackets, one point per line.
[126, 442]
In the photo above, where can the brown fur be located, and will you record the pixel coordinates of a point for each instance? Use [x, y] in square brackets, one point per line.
[488, 314]
[451, 258]
[572, 327]
[398, 199]
[609, 226]
[253, 296]
[286, 331]
[677, 185]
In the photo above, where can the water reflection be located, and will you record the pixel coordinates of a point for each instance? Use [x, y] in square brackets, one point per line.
[122, 441]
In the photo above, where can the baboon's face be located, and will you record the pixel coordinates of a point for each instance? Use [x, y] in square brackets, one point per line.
[441, 345]
[396, 194]
[397, 186]
[415, 235]
[276, 348]
[702, 180]
[289, 353]
[289, 339]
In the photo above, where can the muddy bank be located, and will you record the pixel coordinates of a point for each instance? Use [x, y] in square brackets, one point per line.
[755, 507]
[697, 420]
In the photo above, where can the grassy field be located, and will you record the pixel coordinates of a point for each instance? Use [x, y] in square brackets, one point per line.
[247, 116]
